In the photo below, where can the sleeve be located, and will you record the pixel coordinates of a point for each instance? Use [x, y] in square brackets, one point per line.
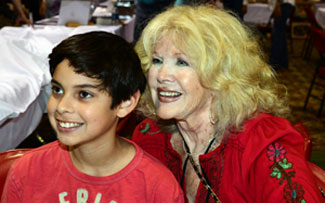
[168, 190]
[276, 170]
[12, 192]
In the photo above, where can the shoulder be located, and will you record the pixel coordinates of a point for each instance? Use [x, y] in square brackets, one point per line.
[159, 180]
[147, 130]
[149, 163]
[42, 150]
[266, 133]
[151, 166]
[152, 170]
[37, 158]
[268, 128]
[274, 155]
[261, 132]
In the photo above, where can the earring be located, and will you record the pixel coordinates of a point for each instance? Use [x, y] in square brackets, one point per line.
[213, 122]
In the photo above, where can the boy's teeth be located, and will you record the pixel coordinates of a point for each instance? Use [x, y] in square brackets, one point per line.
[169, 94]
[69, 125]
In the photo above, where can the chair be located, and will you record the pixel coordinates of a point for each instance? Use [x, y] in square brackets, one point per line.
[307, 46]
[318, 40]
[6, 160]
[265, 29]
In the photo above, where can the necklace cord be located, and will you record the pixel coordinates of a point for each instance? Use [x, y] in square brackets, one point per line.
[196, 168]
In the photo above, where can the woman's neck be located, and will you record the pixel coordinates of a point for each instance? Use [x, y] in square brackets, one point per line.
[197, 135]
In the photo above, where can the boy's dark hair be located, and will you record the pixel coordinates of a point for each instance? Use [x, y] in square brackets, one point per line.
[106, 57]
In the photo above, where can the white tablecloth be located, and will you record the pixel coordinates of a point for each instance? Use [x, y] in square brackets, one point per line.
[320, 16]
[258, 13]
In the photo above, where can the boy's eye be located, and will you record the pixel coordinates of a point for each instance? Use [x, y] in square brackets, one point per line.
[182, 62]
[84, 94]
[56, 90]
[156, 61]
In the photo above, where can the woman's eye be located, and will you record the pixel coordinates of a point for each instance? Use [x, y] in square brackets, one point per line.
[56, 90]
[181, 62]
[156, 61]
[84, 94]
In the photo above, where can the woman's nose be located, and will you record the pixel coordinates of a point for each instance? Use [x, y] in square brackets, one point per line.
[165, 74]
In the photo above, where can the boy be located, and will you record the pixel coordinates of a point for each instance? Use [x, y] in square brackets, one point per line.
[97, 79]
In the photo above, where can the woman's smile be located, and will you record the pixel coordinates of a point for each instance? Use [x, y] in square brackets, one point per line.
[167, 96]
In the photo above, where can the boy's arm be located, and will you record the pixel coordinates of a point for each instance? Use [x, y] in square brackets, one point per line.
[11, 193]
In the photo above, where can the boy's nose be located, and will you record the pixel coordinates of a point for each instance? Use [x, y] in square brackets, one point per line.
[64, 105]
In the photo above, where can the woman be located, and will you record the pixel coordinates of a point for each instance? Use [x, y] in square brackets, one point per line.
[214, 107]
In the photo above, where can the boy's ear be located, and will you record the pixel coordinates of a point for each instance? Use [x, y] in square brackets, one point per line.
[128, 105]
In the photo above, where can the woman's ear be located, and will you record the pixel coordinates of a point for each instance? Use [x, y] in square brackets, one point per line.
[128, 105]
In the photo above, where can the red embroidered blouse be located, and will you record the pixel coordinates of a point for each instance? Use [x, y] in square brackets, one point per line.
[264, 163]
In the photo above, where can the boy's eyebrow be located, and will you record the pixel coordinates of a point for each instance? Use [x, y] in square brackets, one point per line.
[55, 82]
[86, 86]
[77, 86]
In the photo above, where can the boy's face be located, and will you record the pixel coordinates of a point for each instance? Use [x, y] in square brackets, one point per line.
[78, 111]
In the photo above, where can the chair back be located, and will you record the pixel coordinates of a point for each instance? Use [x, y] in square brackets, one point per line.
[6, 160]
[310, 16]
[318, 39]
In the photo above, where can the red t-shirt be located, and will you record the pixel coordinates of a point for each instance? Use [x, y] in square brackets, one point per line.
[263, 163]
[47, 174]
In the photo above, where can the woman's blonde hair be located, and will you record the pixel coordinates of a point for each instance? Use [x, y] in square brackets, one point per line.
[226, 57]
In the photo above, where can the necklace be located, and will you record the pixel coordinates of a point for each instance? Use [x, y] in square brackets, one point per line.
[206, 149]
[196, 167]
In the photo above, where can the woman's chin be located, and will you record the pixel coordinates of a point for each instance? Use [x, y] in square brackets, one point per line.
[165, 115]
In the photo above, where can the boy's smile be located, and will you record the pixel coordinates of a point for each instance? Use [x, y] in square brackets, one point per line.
[67, 126]
[78, 109]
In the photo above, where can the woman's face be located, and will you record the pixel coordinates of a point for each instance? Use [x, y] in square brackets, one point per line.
[174, 85]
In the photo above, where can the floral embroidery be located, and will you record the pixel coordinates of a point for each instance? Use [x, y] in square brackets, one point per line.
[293, 191]
[276, 151]
[144, 127]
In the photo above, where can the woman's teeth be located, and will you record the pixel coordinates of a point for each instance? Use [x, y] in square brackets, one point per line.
[169, 94]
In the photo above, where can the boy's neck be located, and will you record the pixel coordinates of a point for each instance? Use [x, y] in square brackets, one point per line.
[104, 160]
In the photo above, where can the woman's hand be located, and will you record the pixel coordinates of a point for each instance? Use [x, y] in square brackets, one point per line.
[23, 19]
[21, 13]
